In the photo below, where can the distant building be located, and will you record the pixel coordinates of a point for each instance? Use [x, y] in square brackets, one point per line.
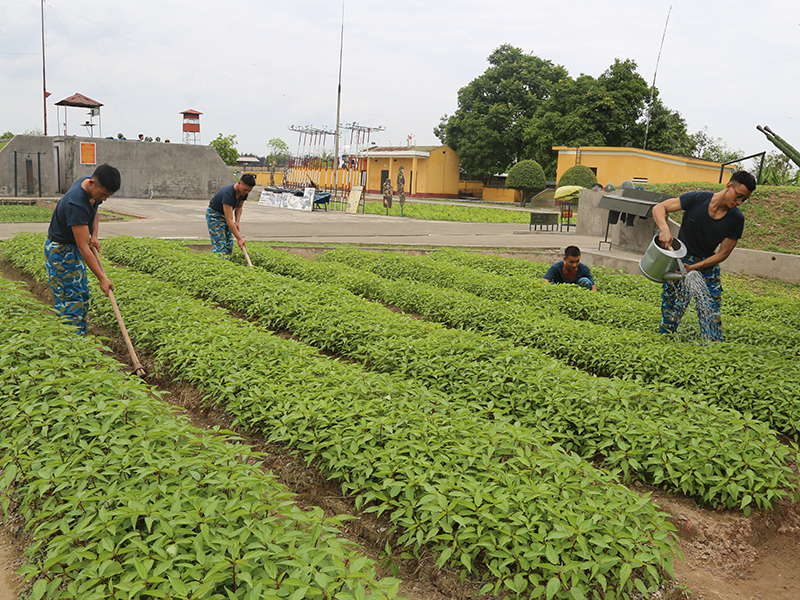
[615, 165]
[247, 160]
[430, 171]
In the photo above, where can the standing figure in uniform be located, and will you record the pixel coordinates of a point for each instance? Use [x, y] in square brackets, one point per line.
[224, 213]
[711, 227]
[72, 234]
[401, 185]
[387, 193]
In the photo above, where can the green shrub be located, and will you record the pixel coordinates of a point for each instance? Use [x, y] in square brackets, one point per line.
[578, 175]
[528, 176]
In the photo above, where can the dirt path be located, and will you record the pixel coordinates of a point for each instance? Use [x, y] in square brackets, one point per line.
[9, 562]
[727, 556]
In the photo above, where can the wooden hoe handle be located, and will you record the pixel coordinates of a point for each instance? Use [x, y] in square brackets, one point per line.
[137, 366]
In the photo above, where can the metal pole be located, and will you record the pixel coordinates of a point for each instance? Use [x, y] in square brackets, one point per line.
[15, 173]
[653, 89]
[338, 111]
[39, 164]
[44, 81]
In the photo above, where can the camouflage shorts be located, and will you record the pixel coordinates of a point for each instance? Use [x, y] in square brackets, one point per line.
[221, 236]
[675, 298]
[66, 274]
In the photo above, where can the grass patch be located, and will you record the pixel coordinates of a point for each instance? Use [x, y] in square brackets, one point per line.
[24, 213]
[449, 212]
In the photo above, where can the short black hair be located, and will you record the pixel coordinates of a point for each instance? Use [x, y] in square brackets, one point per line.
[572, 251]
[745, 178]
[108, 177]
[248, 179]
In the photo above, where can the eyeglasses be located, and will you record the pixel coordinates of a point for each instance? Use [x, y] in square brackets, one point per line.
[740, 197]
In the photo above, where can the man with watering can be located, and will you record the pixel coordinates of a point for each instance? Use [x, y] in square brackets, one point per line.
[712, 226]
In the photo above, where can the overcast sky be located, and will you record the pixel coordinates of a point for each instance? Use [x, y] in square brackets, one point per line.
[255, 68]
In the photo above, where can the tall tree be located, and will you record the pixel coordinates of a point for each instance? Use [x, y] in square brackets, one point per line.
[278, 151]
[606, 111]
[487, 129]
[226, 148]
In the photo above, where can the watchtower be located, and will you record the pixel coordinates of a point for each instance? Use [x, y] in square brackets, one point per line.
[191, 126]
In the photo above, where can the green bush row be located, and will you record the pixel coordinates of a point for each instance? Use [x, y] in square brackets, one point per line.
[122, 499]
[485, 494]
[747, 318]
[733, 460]
[765, 388]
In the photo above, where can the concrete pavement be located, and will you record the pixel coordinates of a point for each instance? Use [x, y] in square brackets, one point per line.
[185, 219]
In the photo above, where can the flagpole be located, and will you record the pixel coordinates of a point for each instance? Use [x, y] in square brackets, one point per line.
[338, 113]
[44, 80]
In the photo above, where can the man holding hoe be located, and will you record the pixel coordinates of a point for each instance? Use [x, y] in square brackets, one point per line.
[224, 213]
[72, 235]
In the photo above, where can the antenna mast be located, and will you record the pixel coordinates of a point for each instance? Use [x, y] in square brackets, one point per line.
[653, 88]
[338, 112]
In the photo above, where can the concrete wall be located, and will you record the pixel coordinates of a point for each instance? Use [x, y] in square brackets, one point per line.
[592, 221]
[149, 170]
[42, 154]
[502, 194]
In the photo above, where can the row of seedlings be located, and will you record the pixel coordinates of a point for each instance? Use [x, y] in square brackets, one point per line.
[764, 389]
[567, 301]
[121, 498]
[489, 496]
[766, 311]
[733, 460]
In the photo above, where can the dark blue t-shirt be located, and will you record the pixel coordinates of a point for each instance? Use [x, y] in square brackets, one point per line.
[226, 195]
[700, 232]
[74, 208]
[555, 273]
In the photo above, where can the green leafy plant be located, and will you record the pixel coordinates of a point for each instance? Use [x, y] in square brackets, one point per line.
[450, 478]
[479, 370]
[578, 175]
[123, 499]
[528, 176]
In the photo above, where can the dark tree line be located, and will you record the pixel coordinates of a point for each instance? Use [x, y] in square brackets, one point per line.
[522, 106]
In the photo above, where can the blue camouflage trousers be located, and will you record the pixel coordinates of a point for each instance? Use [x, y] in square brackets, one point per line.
[675, 297]
[221, 236]
[66, 274]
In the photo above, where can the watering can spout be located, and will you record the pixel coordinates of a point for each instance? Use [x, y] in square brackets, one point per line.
[673, 276]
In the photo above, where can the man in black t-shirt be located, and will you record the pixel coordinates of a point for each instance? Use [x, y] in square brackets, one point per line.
[224, 213]
[72, 234]
[712, 226]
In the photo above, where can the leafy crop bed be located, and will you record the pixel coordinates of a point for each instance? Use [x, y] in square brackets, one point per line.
[123, 500]
[457, 480]
[15, 213]
[479, 447]
[449, 212]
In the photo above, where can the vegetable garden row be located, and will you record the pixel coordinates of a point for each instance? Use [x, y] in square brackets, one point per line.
[124, 500]
[477, 445]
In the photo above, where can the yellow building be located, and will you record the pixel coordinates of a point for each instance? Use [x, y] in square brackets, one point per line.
[430, 171]
[615, 165]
